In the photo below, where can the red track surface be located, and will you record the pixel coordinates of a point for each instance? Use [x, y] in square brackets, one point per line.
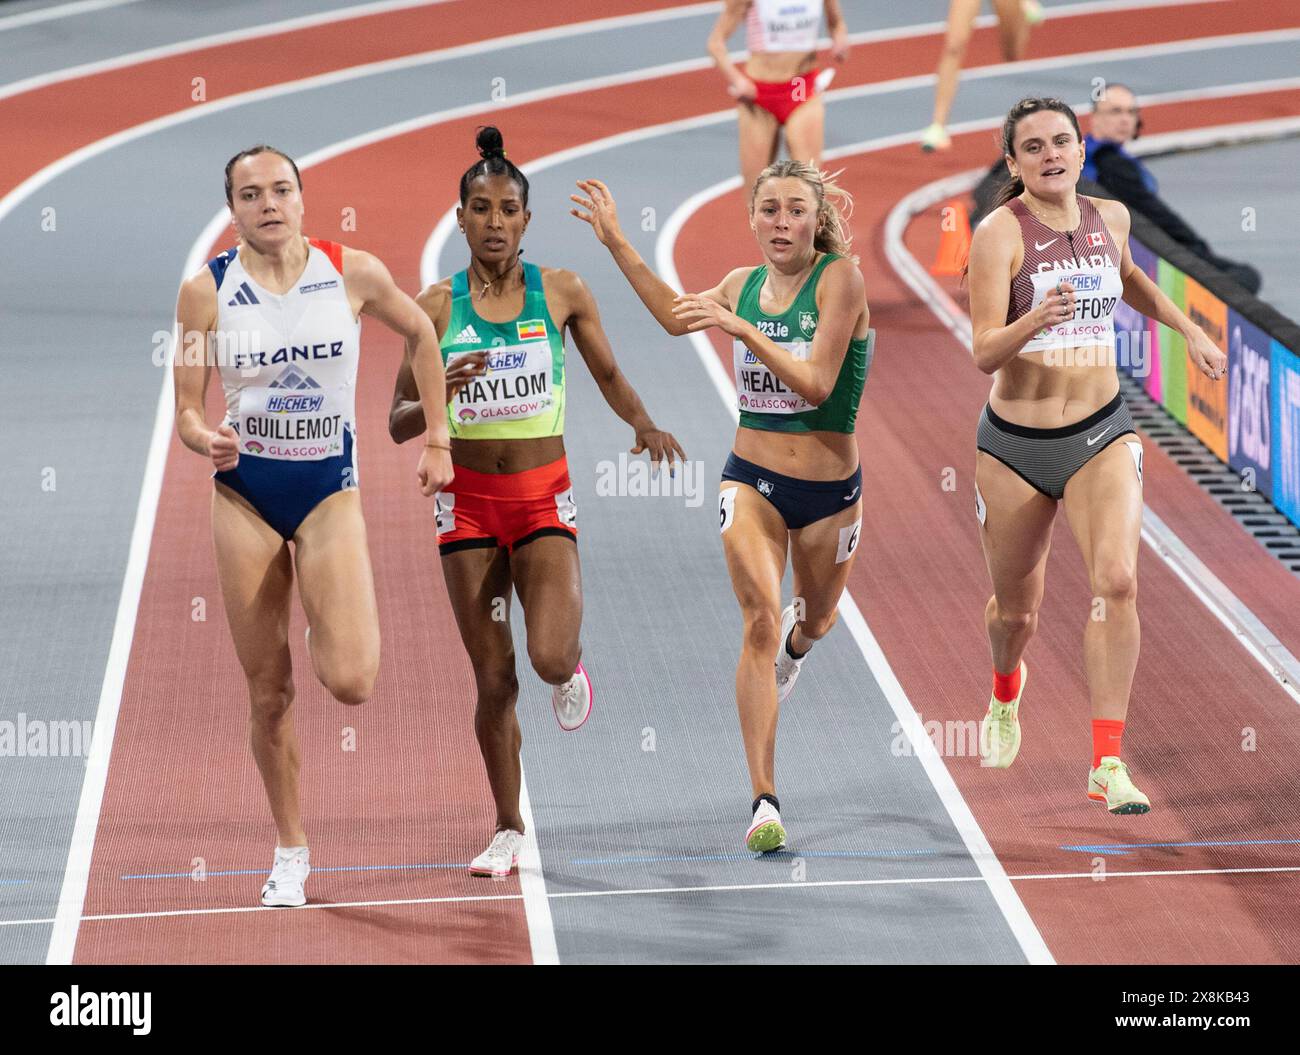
[413, 791]
[922, 585]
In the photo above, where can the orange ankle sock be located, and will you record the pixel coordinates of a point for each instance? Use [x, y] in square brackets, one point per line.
[1006, 687]
[1106, 733]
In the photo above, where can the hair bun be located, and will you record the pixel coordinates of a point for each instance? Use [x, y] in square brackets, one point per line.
[489, 142]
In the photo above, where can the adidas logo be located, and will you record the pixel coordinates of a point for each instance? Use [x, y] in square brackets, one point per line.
[467, 336]
[244, 296]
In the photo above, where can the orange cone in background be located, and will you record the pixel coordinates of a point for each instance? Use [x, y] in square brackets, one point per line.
[954, 239]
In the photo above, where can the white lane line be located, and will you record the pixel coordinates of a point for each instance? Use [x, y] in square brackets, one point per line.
[1093, 877]
[1251, 632]
[49, 14]
[360, 10]
[76, 873]
[239, 36]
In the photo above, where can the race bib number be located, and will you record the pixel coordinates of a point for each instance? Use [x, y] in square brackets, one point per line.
[517, 385]
[297, 425]
[758, 390]
[1096, 292]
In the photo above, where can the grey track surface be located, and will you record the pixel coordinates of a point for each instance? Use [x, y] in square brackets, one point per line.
[661, 625]
[45, 47]
[1211, 188]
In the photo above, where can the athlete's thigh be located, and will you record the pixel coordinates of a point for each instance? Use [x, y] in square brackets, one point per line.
[804, 131]
[256, 575]
[1016, 533]
[548, 579]
[336, 583]
[759, 132]
[755, 539]
[822, 555]
[1011, 26]
[478, 586]
[1103, 504]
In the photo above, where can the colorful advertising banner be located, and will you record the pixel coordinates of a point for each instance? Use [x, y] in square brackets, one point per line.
[1173, 349]
[1249, 410]
[1285, 385]
[1207, 401]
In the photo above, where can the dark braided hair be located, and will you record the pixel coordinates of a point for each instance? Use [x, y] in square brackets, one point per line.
[493, 163]
[261, 148]
[1015, 187]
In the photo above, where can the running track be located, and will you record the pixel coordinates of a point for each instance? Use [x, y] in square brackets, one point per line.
[181, 793]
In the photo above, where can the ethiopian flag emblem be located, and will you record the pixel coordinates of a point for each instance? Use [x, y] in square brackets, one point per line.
[531, 329]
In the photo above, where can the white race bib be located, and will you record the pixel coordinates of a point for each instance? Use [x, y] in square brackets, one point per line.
[1096, 292]
[758, 390]
[299, 425]
[517, 385]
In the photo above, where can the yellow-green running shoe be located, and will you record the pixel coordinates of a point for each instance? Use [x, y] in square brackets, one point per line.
[1033, 11]
[1110, 783]
[935, 138]
[1000, 730]
[765, 833]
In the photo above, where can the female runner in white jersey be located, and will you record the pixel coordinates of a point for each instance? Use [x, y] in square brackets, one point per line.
[285, 313]
[779, 87]
[1046, 270]
[792, 485]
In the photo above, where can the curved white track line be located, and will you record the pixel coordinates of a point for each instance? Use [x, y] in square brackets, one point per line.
[239, 36]
[50, 14]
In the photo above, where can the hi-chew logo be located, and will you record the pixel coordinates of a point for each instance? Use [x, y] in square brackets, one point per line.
[506, 360]
[294, 404]
[1084, 282]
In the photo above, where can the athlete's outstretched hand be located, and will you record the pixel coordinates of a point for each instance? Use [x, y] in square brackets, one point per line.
[435, 471]
[223, 448]
[701, 312]
[462, 370]
[663, 447]
[600, 210]
[1207, 355]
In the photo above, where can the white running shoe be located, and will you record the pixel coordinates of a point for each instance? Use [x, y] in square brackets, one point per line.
[935, 138]
[500, 857]
[766, 833]
[787, 667]
[284, 888]
[572, 700]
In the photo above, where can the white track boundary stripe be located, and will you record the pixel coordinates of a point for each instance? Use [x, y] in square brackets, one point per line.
[50, 14]
[626, 892]
[1234, 614]
[361, 10]
[63, 936]
[239, 36]
[76, 873]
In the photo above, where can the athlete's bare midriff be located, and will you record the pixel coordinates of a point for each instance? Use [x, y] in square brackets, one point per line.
[779, 65]
[803, 455]
[1028, 391]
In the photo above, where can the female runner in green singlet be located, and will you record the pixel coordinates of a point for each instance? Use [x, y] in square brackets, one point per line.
[508, 519]
[793, 482]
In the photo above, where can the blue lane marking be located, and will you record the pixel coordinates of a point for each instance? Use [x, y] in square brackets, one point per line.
[1125, 848]
[264, 871]
[13, 882]
[748, 856]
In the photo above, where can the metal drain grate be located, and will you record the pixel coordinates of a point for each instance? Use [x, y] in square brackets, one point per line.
[1255, 513]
